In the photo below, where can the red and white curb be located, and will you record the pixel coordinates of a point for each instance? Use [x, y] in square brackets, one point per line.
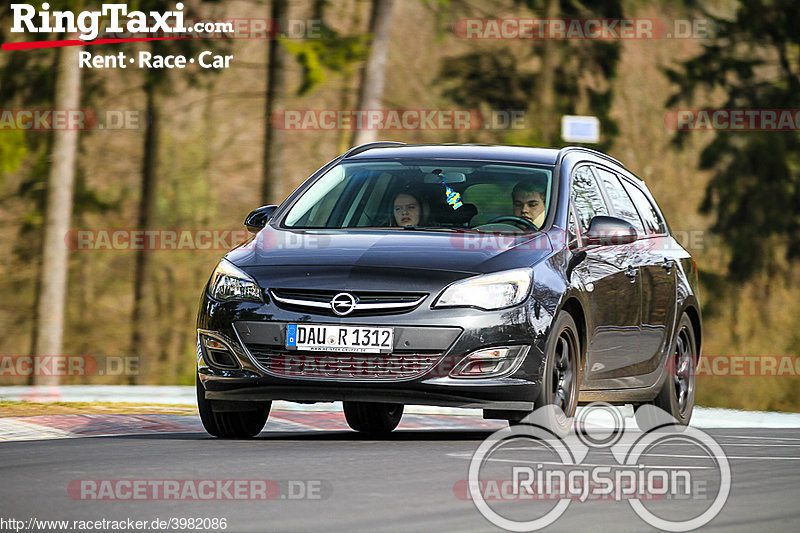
[17, 428]
[285, 416]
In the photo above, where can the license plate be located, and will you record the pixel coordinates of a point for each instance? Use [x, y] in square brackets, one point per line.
[332, 338]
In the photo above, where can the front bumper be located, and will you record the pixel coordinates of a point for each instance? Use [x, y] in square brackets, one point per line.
[254, 331]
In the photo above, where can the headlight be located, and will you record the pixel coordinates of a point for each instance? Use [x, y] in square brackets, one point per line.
[490, 291]
[230, 283]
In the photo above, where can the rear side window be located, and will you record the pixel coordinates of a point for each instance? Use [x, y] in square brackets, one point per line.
[620, 201]
[586, 197]
[652, 220]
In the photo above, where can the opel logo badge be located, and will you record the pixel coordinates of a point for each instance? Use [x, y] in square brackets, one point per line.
[343, 303]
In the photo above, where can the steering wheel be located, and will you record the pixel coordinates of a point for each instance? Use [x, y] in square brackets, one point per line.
[524, 223]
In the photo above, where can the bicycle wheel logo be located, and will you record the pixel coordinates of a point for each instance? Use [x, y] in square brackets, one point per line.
[675, 479]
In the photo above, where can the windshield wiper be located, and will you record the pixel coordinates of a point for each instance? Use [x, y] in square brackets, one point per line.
[412, 227]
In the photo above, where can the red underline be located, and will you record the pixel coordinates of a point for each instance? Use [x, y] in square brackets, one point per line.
[76, 42]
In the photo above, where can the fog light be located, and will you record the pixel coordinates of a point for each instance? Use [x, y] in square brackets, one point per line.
[490, 362]
[214, 344]
[217, 351]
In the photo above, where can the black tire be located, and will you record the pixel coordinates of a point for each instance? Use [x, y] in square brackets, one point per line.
[370, 418]
[557, 400]
[675, 400]
[224, 420]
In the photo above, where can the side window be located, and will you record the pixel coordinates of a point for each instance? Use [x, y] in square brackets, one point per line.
[620, 201]
[652, 220]
[586, 197]
[573, 240]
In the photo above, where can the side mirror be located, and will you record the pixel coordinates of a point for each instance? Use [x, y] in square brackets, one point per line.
[605, 231]
[258, 218]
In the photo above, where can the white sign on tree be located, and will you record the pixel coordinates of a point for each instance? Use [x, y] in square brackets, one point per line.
[580, 129]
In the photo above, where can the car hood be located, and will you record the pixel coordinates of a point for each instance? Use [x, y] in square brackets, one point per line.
[468, 253]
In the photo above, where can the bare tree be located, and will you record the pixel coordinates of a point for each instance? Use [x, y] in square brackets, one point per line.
[273, 183]
[147, 212]
[53, 281]
[374, 76]
[548, 115]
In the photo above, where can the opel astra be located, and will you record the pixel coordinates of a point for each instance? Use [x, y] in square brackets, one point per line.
[489, 277]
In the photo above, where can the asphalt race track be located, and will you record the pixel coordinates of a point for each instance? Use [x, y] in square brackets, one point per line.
[408, 482]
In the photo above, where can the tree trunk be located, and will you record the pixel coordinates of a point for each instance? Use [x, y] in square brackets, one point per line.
[273, 184]
[380, 26]
[53, 282]
[548, 117]
[349, 89]
[147, 204]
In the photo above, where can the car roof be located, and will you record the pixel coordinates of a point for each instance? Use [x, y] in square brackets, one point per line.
[479, 152]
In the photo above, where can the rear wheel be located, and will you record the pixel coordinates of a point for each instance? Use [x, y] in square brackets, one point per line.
[675, 401]
[373, 418]
[231, 420]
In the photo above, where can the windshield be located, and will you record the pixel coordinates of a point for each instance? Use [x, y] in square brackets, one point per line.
[426, 195]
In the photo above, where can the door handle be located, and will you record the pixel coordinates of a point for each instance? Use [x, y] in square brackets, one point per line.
[667, 265]
[631, 273]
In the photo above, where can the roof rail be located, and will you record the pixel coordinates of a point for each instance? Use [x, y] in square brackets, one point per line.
[368, 146]
[593, 152]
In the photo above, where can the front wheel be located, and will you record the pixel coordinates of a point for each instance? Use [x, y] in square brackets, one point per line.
[675, 401]
[373, 418]
[557, 401]
[231, 420]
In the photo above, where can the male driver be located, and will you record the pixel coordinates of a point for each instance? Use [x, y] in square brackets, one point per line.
[528, 197]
